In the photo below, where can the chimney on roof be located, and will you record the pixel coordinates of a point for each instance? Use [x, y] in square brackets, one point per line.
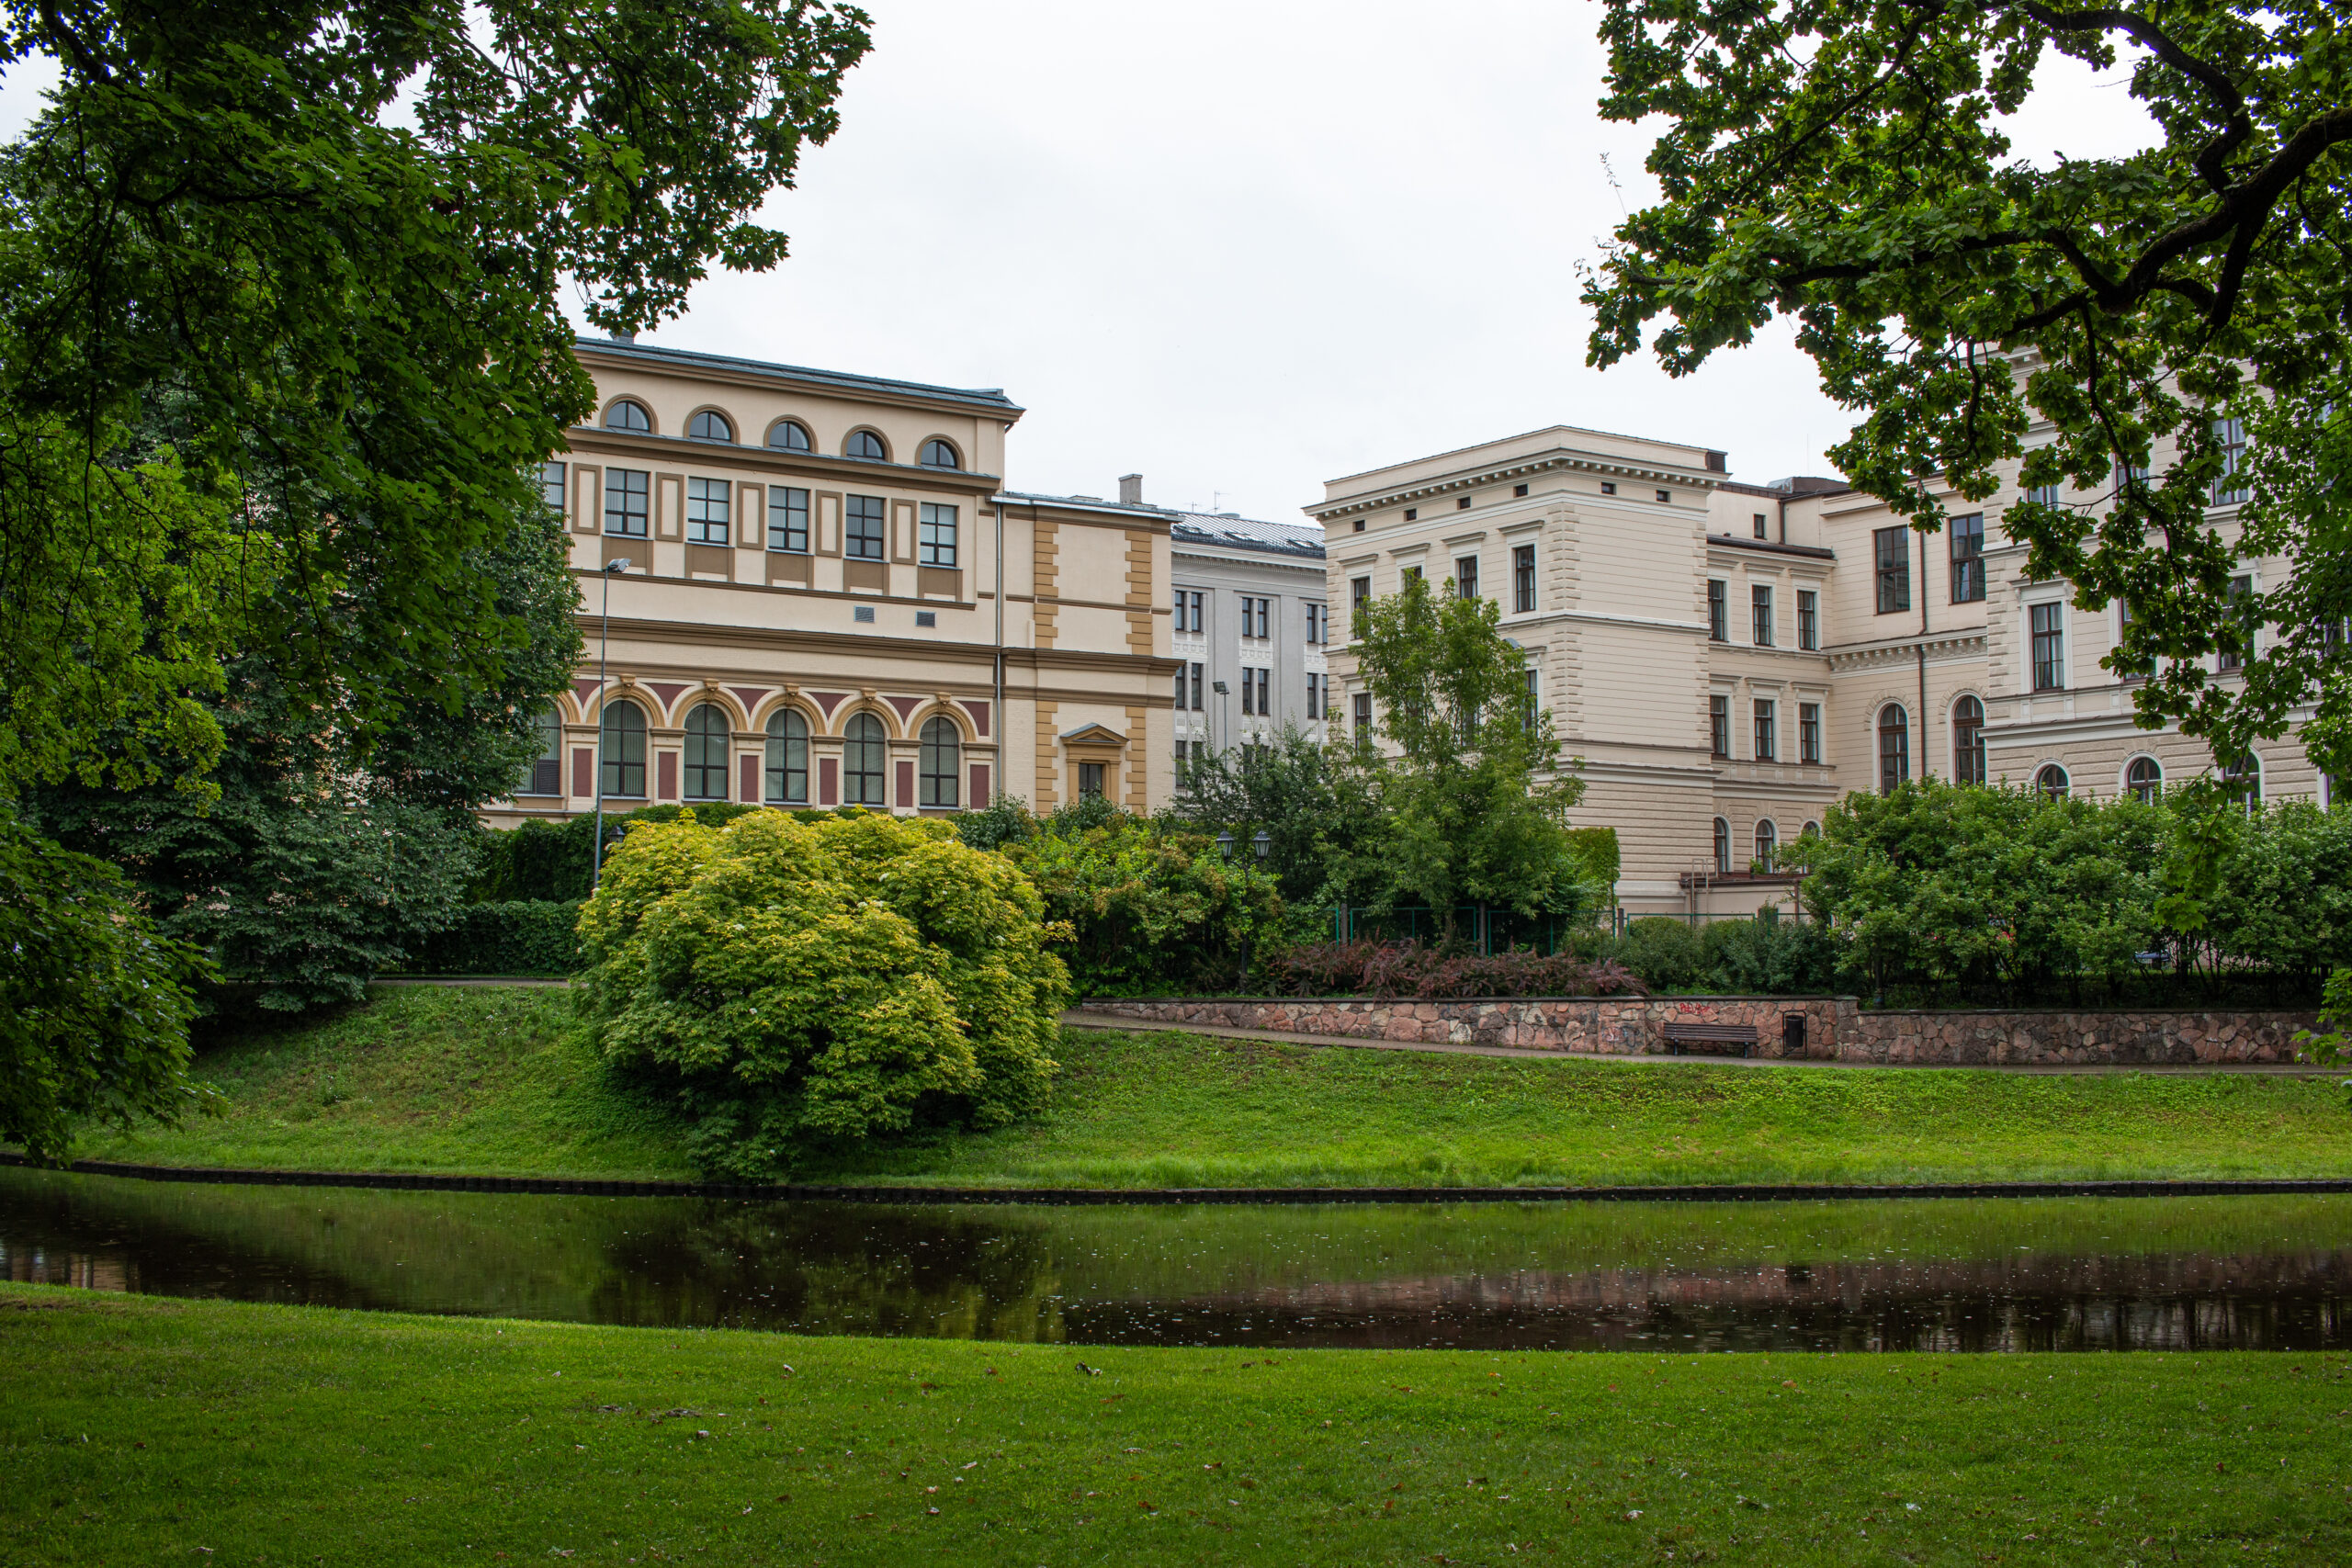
[624, 337]
[1130, 489]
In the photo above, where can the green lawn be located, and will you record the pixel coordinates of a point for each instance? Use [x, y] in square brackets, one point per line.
[495, 1081]
[137, 1430]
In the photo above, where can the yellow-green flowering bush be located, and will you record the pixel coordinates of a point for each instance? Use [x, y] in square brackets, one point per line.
[798, 982]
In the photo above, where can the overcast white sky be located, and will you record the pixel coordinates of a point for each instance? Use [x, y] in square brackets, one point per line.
[1243, 246]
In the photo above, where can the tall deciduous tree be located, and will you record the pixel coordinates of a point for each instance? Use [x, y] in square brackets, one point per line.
[1843, 161]
[332, 233]
[1476, 785]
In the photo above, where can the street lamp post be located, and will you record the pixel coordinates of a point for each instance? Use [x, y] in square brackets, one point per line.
[603, 661]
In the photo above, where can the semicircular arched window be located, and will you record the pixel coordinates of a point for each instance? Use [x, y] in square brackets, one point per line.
[2146, 779]
[937, 454]
[866, 445]
[861, 761]
[787, 760]
[2051, 781]
[706, 729]
[1722, 844]
[710, 425]
[624, 750]
[628, 414]
[1767, 839]
[943, 752]
[1894, 748]
[790, 435]
[1968, 742]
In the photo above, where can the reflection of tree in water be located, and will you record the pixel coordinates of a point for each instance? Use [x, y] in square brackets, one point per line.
[836, 1268]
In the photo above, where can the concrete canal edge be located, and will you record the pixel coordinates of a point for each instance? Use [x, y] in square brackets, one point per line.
[397, 1181]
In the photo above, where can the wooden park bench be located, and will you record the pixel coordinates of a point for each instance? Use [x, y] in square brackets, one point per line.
[1711, 1039]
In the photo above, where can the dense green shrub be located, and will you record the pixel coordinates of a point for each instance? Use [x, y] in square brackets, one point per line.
[1664, 952]
[840, 979]
[523, 936]
[1151, 910]
[550, 861]
[1412, 969]
[1757, 957]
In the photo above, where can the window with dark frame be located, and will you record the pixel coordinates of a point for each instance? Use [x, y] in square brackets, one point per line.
[1891, 548]
[544, 773]
[2145, 780]
[551, 487]
[864, 444]
[1532, 711]
[2231, 489]
[1363, 718]
[1894, 748]
[789, 519]
[706, 748]
[622, 750]
[1967, 537]
[938, 453]
[2052, 782]
[935, 543]
[1968, 742]
[2241, 594]
[1718, 611]
[1089, 780]
[1762, 525]
[1523, 578]
[863, 528]
[1313, 695]
[862, 762]
[1809, 734]
[2049, 631]
[939, 759]
[1760, 610]
[706, 511]
[787, 760]
[627, 415]
[1719, 726]
[788, 435]
[1767, 839]
[1722, 846]
[625, 496]
[1608, 487]
[1198, 671]
[709, 425]
[1767, 741]
[1809, 620]
[1465, 577]
[1359, 598]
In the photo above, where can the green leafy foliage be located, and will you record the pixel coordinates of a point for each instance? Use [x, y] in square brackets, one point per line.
[522, 936]
[796, 983]
[1665, 953]
[1843, 162]
[1150, 910]
[1320, 803]
[1991, 894]
[94, 1006]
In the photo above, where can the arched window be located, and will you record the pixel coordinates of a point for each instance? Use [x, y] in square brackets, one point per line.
[787, 760]
[865, 443]
[709, 425]
[544, 773]
[629, 414]
[1968, 742]
[2051, 780]
[1810, 830]
[2144, 779]
[861, 761]
[1722, 844]
[937, 454]
[707, 731]
[943, 751]
[1767, 839]
[624, 750]
[790, 435]
[2243, 780]
[1894, 748]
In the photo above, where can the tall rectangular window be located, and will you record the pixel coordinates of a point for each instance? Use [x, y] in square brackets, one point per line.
[1809, 734]
[1533, 706]
[1718, 612]
[1359, 598]
[1199, 669]
[625, 493]
[1762, 526]
[1759, 609]
[2231, 488]
[1719, 726]
[2042, 495]
[706, 511]
[1465, 577]
[1523, 578]
[789, 519]
[935, 538]
[1363, 718]
[1191, 609]
[2049, 622]
[1249, 693]
[1892, 549]
[2240, 589]
[551, 487]
[1967, 536]
[1313, 695]
[1808, 620]
[863, 528]
[1767, 742]
[1314, 623]
[1265, 693]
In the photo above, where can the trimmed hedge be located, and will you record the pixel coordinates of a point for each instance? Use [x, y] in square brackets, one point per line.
[523, 936]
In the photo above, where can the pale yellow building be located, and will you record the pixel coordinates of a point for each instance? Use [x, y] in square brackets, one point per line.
[831, 598]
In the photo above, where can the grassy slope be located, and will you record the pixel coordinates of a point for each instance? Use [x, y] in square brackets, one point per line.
[138, 1430]
[492, 1081]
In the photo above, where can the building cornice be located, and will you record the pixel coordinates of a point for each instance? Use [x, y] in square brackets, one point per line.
[679, 452]
[712, 369]
[1504, 473]
[1879, 655]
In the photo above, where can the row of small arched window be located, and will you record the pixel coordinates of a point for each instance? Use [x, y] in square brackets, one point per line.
[864, 758]
[784, 435]
[2144, 779]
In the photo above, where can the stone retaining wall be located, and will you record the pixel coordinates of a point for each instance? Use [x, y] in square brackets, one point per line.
[1834, 1028]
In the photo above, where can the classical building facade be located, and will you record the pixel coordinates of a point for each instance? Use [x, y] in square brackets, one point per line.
[1725, 660]
[1250, 625]
[831, 598]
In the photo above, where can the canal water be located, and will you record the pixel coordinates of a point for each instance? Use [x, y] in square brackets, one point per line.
[2264, 1273]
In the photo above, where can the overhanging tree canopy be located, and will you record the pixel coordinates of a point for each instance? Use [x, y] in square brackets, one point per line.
[1842, 162]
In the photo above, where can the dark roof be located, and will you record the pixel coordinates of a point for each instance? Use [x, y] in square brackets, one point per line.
[1227, 532]
[989, 398]
[1735, 542]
